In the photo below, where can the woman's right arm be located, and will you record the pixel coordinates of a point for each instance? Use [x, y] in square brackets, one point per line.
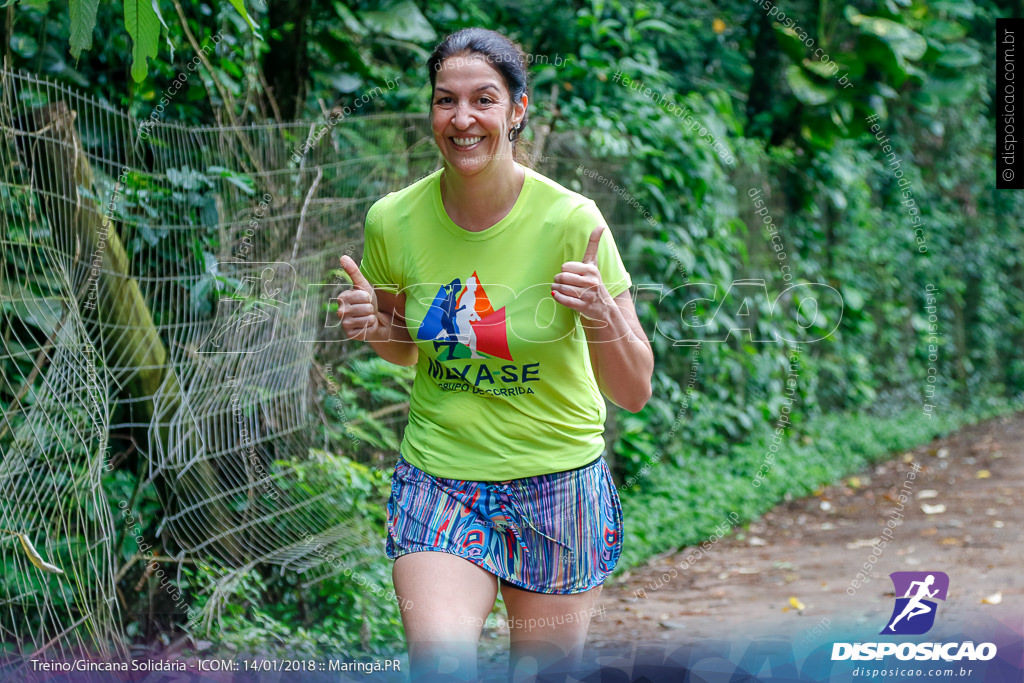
[376, 317]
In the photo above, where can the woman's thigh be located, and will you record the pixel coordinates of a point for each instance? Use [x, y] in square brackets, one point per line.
[444, 600]
[443, 596]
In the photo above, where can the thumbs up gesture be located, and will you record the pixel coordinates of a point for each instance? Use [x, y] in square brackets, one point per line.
[357, 307]
[579, 285]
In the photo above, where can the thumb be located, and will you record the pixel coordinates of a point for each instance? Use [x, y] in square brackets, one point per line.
[358, 281]
[590, 255]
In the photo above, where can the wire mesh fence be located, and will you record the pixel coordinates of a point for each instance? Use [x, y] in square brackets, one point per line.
[173, 284]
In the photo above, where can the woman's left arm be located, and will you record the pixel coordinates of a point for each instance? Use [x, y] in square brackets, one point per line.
[620, 352]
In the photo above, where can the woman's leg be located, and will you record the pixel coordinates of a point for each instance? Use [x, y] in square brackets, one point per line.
[546, 630]
[445, 601]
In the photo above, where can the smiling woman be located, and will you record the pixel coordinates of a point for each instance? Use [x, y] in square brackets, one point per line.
[478, 111]
[501, 480]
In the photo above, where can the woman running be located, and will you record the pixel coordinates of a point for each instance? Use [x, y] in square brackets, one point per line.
[507, 293]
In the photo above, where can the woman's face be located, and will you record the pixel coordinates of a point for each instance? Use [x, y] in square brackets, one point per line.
[472, 114]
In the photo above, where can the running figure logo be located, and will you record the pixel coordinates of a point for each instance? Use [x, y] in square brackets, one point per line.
[246, 320]
[914, 613]
[462, 319]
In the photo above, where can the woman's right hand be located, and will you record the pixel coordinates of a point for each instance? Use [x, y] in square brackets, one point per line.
[357, 307]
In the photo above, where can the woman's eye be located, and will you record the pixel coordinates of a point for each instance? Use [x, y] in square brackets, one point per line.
[486, 100]
[442, 100]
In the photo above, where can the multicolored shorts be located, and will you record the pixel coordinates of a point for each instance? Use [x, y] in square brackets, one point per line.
[553, 533]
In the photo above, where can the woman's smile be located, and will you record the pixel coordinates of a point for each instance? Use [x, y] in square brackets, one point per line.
[466, 143]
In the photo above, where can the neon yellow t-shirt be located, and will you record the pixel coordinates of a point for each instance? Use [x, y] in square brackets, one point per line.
[504, 387]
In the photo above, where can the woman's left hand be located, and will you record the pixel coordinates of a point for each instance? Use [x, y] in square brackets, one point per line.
[580, 287]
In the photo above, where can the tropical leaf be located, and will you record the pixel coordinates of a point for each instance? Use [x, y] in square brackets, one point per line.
[904, 42]
[144, 28]
[83, 21]
[239, 5]
[403, 21]
[959, 56]
[167, 29]
[805, 89]
[243, 182]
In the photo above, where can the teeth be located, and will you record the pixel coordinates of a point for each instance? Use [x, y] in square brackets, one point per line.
[466, 142]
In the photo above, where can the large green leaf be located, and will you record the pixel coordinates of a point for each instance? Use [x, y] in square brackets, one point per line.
[904, 42]
[144, 28]
[402, 21]
[167, 29]
[351, 22]
[945, 31]
[44, 313]
[820, 68]
[959, 56]
[83, 21]
[239, 5]
[805, 89]
[790, 42]
[339, 47]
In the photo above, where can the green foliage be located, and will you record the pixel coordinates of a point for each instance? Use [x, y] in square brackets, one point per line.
[335, 606]
[142, 25]
[83, 20]
[681, 506]
[239, 6]
[355, 391]
[842, 218]
[796, 133]
[142, 21]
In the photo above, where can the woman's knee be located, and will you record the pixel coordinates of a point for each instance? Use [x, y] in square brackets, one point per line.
[550, 619]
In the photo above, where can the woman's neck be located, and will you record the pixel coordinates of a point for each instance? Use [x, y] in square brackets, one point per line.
[479, 201]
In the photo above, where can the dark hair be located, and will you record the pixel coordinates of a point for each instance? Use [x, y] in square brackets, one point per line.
[500, 52]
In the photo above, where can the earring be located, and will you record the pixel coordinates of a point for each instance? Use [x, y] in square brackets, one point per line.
[513, 133]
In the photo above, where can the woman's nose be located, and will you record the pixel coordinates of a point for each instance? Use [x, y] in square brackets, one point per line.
[463, 116]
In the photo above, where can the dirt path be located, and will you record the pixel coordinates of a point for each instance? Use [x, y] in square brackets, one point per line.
[811, 550]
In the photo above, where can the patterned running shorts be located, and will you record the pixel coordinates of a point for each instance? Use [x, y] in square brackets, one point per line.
[553, 533]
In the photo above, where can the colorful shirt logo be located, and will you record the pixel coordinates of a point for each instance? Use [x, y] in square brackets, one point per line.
[914, 613]
[462, 319]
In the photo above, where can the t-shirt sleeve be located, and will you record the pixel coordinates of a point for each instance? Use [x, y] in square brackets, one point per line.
[582, 222]
[379, 264]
